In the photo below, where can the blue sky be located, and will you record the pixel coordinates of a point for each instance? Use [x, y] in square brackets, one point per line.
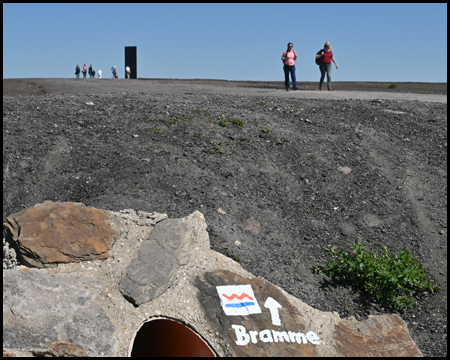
[371, 42]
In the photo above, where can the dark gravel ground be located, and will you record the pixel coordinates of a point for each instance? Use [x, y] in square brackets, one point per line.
[176, 146]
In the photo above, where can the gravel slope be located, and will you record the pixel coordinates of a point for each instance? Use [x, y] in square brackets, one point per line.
[266, 167]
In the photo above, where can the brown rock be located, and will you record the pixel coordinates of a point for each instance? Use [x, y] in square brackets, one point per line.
[267, 344]
[50, 233]
[252, 225]
[62, 349]
[385, 335]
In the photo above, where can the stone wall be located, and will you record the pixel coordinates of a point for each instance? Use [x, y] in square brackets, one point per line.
[90, 281]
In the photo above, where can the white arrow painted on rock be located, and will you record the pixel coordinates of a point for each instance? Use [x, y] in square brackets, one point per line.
[273, 306]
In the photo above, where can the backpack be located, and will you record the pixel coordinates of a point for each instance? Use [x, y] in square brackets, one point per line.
[319, 60]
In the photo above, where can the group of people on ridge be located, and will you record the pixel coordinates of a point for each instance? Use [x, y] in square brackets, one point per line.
[91, 71]
[84, 70]
[324, 57]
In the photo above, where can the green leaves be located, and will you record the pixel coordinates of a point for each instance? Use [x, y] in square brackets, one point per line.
[226, 121]
[389, 278]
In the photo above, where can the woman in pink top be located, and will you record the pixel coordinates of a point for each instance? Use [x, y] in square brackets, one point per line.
[288, 58]
[84, 70]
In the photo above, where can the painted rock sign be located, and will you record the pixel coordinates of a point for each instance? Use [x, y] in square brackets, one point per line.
[239, 300]
[243, 338]
[255, 317]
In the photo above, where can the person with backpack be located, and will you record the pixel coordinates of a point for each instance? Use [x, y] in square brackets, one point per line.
[91, 72]
[77, 71]
[289, 56]
[114, 72]
[324, 57]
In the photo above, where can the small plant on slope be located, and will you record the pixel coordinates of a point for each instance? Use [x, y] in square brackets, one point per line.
[390, 279]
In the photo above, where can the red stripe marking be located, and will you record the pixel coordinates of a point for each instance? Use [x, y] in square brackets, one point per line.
[234, 296]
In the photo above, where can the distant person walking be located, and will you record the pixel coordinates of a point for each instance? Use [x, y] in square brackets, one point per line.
[128, 71]
[114, 72]
[325, 57]
[288, 58]
[84, 70]
[99, 73]
[91, 72]
[77, 71]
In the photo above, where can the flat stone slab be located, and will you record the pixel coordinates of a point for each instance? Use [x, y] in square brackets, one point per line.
[52, 313]
[62, 232]
[151, 272]
[376, 336]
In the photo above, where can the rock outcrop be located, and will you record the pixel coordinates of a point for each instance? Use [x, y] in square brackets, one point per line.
[51, 233]
[152, 271]
[163, 269]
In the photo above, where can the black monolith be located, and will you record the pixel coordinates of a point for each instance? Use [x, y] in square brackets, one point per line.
[131, 61]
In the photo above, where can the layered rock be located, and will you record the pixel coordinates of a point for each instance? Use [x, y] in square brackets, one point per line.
[152, 271]
[51, 233]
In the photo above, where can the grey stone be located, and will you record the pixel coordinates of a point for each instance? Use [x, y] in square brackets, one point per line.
[47, 312]
[9, 256]
[151, 272]
[252, 225]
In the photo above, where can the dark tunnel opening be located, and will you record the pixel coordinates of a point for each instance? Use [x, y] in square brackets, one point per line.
[167, 337]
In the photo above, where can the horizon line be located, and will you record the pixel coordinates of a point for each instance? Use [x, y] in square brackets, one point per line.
[272, 81]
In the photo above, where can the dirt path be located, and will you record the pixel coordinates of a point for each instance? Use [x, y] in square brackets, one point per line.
[343, 91]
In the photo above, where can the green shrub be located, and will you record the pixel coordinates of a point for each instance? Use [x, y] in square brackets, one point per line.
[198, 111]
[390, 279]
[237, 122]
[226, 121]
[392, 86]
[214, 150]
[223, 123]
[155, 131]
[184, 117]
